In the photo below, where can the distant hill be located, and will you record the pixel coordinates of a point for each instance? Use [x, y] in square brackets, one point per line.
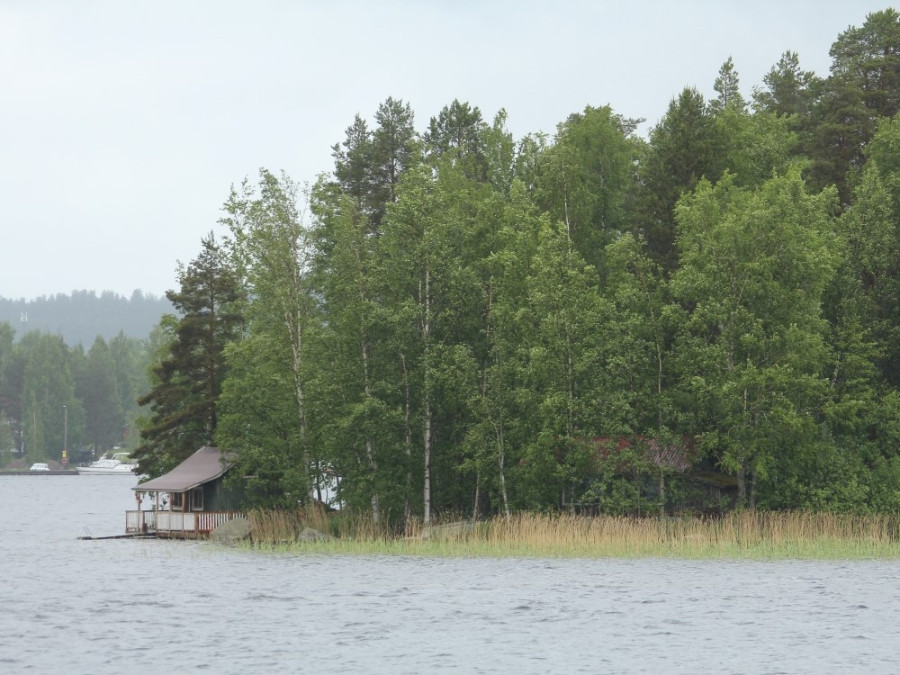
[83, 315]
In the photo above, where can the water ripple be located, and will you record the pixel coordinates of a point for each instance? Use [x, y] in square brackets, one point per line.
[155, 606]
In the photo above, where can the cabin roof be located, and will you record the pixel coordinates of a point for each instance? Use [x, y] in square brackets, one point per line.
[203, 466]
[678, 455]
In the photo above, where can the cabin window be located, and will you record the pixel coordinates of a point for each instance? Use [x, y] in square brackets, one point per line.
[178, 501]
[197, 499]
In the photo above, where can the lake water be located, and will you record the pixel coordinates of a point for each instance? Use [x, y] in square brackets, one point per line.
[145, 606]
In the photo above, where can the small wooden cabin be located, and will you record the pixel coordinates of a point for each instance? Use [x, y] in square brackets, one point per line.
[190, 501]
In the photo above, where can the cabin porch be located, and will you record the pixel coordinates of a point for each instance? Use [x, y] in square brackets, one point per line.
[177, 524]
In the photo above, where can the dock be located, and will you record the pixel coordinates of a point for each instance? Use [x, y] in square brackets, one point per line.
[130, 535]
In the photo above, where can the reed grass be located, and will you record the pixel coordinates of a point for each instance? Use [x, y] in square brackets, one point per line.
[740, 535]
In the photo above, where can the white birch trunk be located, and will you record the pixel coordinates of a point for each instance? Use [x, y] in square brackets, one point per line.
[407, 507]
[426, 406]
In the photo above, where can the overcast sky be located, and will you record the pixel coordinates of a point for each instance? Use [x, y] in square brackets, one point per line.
[124, 123]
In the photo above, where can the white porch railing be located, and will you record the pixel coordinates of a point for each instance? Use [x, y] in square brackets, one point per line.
[176, 523]
[140, 521]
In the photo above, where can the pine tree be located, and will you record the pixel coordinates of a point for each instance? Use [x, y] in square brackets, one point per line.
[187, 380]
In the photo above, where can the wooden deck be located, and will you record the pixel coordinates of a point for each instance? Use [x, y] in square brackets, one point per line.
[177, 524]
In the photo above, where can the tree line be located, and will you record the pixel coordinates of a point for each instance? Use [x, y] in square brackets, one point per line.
[81, 316]
[455, 321]
[54, 396]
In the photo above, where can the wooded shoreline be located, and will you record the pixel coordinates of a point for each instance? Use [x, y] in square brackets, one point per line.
[455, 320]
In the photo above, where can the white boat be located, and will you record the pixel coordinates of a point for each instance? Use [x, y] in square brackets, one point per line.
[107, 466]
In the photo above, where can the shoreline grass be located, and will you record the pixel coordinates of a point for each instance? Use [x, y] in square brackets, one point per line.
[757, 535]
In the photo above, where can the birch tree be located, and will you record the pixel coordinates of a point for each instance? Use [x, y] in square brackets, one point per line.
[271, 247]
[755, 265]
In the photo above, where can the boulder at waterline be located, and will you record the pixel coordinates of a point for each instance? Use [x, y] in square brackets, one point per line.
[231, 531]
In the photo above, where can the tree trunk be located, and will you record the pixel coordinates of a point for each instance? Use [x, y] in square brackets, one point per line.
[475, 510]
[426, 436]
[367, 390]
[370, 454]
[296, 336]
[662, 494]
[426, 403]
[318, 482]
[407, 506]
[753, 489]
[742, 485]
[501, 460]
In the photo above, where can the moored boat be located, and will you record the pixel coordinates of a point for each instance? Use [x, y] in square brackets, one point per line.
[107, 466]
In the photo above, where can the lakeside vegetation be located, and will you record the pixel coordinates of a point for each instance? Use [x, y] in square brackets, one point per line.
[737, 535]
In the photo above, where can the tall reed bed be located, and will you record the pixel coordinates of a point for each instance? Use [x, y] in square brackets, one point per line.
[746, 534]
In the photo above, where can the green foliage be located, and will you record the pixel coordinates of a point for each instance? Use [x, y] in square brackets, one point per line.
[48, 398]
[755, 266]
[97, 387]
[789, 92]
[727, 86]
[53, 396]
[457, 134]
[369, 163]
[190, 368]
[269, 246]
[867, 57]
[682, 151]
[885, 485]
[864, 86]
[257, 417]
[466, 315]
[617, 495]
[584, 180]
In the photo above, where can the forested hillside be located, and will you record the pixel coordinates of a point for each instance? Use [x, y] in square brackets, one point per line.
[55, 396]
[71, 371]
[458, 321]
[83, 315]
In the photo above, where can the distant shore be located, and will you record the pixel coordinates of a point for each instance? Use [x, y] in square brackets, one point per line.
[26, 472]
[22, 467]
